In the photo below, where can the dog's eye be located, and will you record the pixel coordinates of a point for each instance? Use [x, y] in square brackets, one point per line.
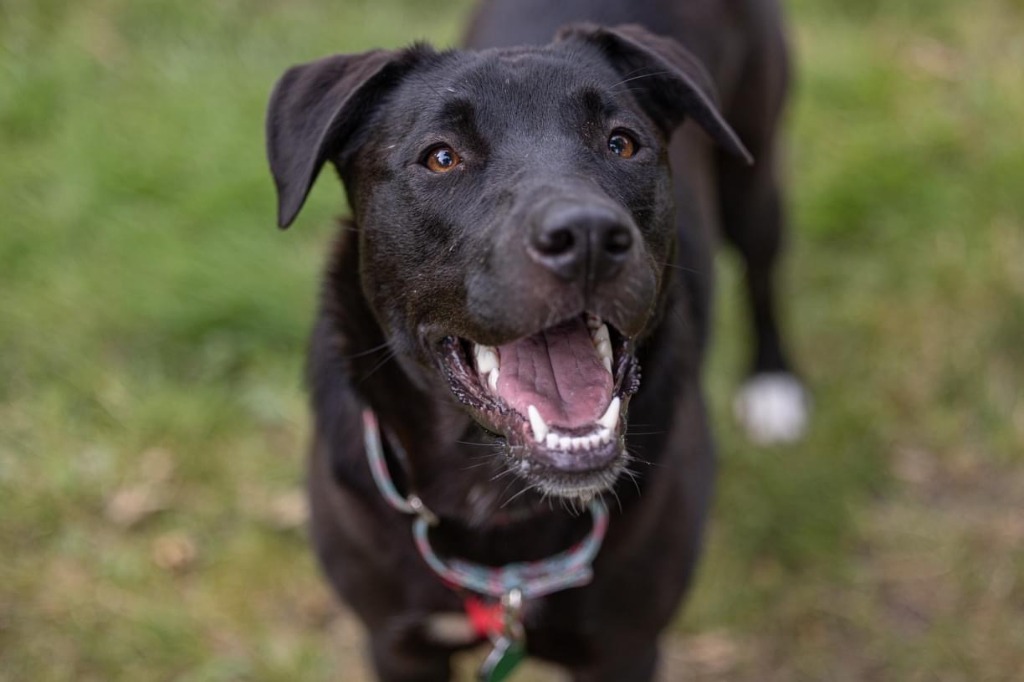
[442, 159]
[622, 144]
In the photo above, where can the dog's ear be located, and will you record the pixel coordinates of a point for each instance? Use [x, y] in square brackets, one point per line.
[314, 111]
[669, 82]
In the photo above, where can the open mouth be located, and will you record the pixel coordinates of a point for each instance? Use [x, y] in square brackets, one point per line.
[558, 398]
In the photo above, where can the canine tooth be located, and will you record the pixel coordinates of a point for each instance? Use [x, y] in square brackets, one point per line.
[492, 379]
[603, 344]
[610, 418]
[486, 358]
[593, 322]
[595, 440]
[537, 423]
[565, 443]
[551, 441]
[604, 435]
[605, 352]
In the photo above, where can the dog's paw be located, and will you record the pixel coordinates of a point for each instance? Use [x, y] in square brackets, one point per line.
[772, 408]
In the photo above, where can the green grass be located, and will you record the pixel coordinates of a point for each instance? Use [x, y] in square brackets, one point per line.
[152, 325]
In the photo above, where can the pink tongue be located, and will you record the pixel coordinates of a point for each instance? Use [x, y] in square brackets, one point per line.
[559, 372]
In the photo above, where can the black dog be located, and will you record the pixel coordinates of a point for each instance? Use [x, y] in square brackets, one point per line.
[518, 252]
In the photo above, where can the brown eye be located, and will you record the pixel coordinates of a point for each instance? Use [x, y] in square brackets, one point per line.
[442, 159]
[621, 144]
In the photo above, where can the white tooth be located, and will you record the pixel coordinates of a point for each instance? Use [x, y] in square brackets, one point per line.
[486, 358]
[537, 423]
[593, 322]
[595, 440]
[564, 443]
[603, 344]
[552, 441]
[610, 418]
[492, 379]
[605, 352]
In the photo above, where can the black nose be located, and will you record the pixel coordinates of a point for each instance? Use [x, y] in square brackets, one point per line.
[577, 241]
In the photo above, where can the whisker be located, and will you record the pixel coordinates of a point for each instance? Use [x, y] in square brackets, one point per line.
[676, 266]
[509, 485]
[627, 75]
[526, 489]
[477, 444]
[633, 479]
[364, 353]
[633, 457]
[387, 358]
[616, 496]
[502, 474]
[478, 465]
[643, 75]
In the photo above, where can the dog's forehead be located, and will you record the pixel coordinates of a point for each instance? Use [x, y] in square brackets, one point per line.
[515, 83]
[545, 68]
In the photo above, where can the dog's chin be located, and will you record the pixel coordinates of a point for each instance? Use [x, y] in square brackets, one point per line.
[557, 400]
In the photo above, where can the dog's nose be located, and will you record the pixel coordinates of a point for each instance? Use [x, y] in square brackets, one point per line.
[581, 240]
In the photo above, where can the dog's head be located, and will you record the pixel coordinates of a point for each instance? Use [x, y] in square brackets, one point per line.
[515, 220]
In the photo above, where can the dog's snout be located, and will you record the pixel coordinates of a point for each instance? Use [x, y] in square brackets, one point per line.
[577, 241]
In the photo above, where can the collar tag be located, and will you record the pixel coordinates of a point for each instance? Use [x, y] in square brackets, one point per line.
[509, 646]
[503, 659]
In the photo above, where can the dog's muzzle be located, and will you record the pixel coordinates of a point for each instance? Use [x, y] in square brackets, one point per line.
[558, 398]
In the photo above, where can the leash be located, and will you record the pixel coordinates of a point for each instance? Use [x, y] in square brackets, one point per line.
[506, 586]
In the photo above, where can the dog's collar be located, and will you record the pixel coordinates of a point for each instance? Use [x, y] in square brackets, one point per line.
[531, 579]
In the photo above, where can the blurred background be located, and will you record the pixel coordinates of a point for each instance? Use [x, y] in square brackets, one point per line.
[153, 323]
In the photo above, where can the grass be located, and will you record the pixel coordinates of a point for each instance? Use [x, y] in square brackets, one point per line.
[152, 322]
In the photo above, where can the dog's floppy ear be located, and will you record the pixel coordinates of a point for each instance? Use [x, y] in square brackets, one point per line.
[669, 82]
[314, 110]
